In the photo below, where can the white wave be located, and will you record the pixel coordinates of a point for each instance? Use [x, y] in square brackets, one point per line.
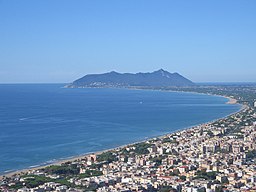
[10, 170]
[33, 166]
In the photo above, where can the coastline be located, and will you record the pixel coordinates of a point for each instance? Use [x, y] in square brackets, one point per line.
[79, 157]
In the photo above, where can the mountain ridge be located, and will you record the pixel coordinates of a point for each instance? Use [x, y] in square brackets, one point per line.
[159, 78]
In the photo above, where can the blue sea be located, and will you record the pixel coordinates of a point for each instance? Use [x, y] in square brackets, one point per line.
[41, 123]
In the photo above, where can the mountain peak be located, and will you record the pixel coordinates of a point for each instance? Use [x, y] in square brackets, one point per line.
[161, 71]
[113, 72]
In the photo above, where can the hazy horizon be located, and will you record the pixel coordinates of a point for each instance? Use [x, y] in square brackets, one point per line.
[62, 40]
[197, 82]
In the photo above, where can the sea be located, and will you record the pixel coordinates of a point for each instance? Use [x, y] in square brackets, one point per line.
[44, 123]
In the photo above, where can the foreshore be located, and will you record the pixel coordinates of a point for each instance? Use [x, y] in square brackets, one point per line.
[80, 157]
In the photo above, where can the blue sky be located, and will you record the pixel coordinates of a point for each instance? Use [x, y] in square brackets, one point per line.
[61, 40]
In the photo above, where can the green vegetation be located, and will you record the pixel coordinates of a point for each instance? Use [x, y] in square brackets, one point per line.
[90, 188]
[219, 190]
[206, 175]
[183, 177]
[175, 172]
[170, 140]
[166, 140]
[124, 152]
[96, 165]
[32, 181]
[234, 130]
[64, 169]
[251, 154]
[142, 148]
[225, 181]
[157, 160]
[210, 133]
[17, 186]
[107, 157]
[63, 181]
[167, 189]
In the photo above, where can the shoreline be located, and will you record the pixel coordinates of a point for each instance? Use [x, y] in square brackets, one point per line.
[79, 157]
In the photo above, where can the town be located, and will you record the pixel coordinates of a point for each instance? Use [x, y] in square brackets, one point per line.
[212, 157]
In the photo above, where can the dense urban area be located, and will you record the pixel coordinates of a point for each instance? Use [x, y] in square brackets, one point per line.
[212, 157]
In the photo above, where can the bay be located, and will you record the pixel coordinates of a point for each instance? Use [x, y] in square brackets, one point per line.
[40, 123]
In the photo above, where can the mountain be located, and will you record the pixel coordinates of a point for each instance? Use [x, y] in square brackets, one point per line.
[160, 78]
